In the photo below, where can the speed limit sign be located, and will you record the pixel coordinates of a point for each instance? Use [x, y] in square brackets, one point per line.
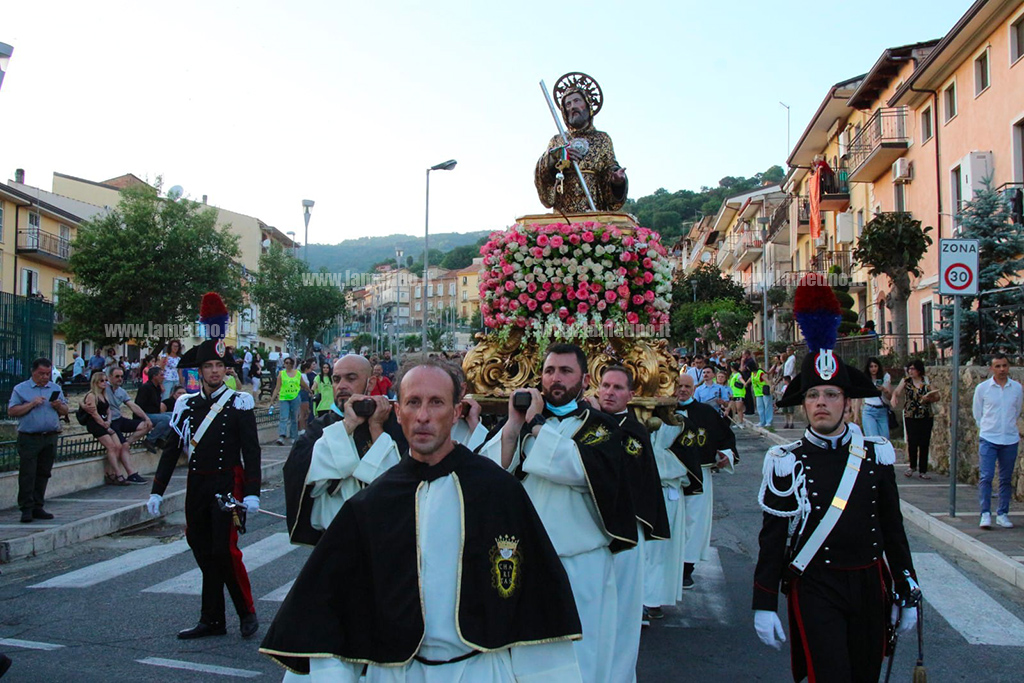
[958, 267]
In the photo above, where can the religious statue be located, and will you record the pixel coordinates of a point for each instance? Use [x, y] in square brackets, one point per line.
[579, 153]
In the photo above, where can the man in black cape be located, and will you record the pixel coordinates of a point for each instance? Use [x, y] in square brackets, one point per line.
[441, 562]
[348, 377]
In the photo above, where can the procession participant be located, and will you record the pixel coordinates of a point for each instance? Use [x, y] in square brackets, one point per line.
[704, 442]
[614, 395]
[580, 99]
[571, 460]
[339, 454]
[834, 562]
[440, 571]
[216, 429]
[663, 560]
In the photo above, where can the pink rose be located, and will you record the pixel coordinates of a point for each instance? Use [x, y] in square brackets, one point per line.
[648, 263]
[542, 295]
[556, 296]
[632, 318]
[521, 322]
[531, 287]
[638, 299]
[490, 321]
[648, 277]
[570, 320]
[595, 287]
[610, 295]
[588, 236]
[621, 270]
[546, 286]
[582, 308]
[542, 240]
[648, 296]
[605, 236]
[625, 257]
[508, 269]
[513, 305]
[574, 239]
[563, 312]
[523, 298]
[601, 305]
[628, 241]
[624, 304]
[547, 307]
[555, 241]
[509, 285]
[531, 304]
[623, 291]
[570, 294]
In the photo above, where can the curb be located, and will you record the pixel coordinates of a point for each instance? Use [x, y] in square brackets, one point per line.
[106, 523]
[1003, 566]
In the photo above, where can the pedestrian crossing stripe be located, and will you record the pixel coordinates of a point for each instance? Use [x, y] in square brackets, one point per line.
[115, 567]
[254, 556]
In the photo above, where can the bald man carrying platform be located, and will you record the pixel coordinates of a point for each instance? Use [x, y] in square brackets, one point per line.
[340, 453]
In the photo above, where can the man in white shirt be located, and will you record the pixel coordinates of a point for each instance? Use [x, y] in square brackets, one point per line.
[696, 371]
[789, 367]
[246, 366]
[997, 404]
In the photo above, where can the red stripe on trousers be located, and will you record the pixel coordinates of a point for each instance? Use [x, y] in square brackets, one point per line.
[241, 576]
[794, 591]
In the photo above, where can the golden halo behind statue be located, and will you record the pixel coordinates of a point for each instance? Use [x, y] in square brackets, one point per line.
[576, 80]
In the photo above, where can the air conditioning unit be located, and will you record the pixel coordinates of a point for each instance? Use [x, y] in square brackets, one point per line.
[820, 242]
[902, 171]
[844, 228]
[975, 169]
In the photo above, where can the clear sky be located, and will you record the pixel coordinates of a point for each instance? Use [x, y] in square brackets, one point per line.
[261, 104]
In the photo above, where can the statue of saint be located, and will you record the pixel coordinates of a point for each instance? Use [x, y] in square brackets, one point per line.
[579, 98]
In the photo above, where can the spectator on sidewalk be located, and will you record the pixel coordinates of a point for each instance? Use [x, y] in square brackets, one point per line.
[98, 424]
[916, 395]
[38, 426]
[136, 427]
[96, 362]
[997, 404]
[789, 366]
[246, 366]
[78, 372]
[715, 395]
[875, 410]
[290, 383]
[787, 411]
[167, 405]
[323, 391]
[169, 361]
[762, 388]
[148, 399]
[390, 366]
[379, 384]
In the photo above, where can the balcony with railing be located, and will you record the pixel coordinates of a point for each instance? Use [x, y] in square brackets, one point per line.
[43, 246]
[749, 247]
[779, 220]
[727, 252]
[881, 141]
[839, 265]
[835, 191]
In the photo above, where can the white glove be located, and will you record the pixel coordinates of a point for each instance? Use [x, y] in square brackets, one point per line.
[154, 504]
[769, 628]
[252, 504]
[909, 619]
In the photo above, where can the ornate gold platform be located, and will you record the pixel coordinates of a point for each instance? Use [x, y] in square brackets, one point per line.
[619, 220]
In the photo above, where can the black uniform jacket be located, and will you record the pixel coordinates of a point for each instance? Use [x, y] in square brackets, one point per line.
[870, 528]
[297, 501]
[231, 440]
[644, 481]
[358, 596]
[705, 432]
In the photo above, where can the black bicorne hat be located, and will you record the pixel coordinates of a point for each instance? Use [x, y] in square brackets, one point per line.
[817, 311]
[213, 314]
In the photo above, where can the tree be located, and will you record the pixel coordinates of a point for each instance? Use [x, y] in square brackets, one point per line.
[141, 270]
[290, 301]
[436, 256]
[460, 257]
[893, 244]
[987, 218]
[691, 309]
[438, 338]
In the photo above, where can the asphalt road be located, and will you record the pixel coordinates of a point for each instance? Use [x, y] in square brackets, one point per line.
[117, 621]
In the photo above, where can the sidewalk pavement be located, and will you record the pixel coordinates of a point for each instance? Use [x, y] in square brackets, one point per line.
[925, 503]
[103, 510]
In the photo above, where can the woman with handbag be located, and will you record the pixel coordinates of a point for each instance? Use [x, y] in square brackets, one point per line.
[916, 395]
[874, 412]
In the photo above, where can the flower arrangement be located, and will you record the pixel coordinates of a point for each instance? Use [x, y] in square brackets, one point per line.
[572, 281]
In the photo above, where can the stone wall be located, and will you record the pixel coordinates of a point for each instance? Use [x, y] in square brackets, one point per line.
[967, 438]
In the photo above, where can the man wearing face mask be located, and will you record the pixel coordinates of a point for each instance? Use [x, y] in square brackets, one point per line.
[580, 99]
[340, 453]
[571, 460]
[832, 538]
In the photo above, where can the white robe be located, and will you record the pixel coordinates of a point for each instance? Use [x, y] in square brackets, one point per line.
[335, 457]
[663, 560]
[461, 434]
[699, 511]
[629, 588]
[557, 484]
[439, 538]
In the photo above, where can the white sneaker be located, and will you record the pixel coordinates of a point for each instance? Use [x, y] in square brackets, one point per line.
[986, 521]
[1004, 521]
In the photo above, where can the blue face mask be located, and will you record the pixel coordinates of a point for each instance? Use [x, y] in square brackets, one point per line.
[337, 410]
[562, 411]
[686, 402]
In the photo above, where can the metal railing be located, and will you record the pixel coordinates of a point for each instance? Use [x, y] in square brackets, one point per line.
[780, 217]
[823, 261]
[835, 183]
[38, 240]
[887, 125]
[81, 446]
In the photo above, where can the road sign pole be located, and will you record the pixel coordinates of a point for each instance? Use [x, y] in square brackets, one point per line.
[954, 408]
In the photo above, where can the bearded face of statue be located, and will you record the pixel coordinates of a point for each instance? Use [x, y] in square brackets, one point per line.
[576, 110]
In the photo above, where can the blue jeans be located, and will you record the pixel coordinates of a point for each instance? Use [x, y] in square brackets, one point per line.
[161, 425]
[288, 422]
[765, 410]
[988, 454]
[875, 420]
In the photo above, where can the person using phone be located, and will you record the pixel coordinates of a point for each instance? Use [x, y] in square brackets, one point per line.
[38, 403]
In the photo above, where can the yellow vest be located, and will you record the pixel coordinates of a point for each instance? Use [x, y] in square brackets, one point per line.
[290, 386]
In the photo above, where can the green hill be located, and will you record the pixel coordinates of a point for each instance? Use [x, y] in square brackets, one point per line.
[359, 255]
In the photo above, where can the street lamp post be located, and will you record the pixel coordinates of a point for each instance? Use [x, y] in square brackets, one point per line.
[444, 166]
[763, 222]
[5, 56]
[291, 236]
[399, 252]
[307, 204]
[787, 126]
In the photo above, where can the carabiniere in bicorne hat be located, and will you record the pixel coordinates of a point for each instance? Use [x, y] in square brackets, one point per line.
[213, 314]
[817, 311]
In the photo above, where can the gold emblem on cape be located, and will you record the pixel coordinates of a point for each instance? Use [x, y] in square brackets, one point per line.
[702, 436]
[506, 565]
[595, 435]
[689, 437]
[634, 447]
